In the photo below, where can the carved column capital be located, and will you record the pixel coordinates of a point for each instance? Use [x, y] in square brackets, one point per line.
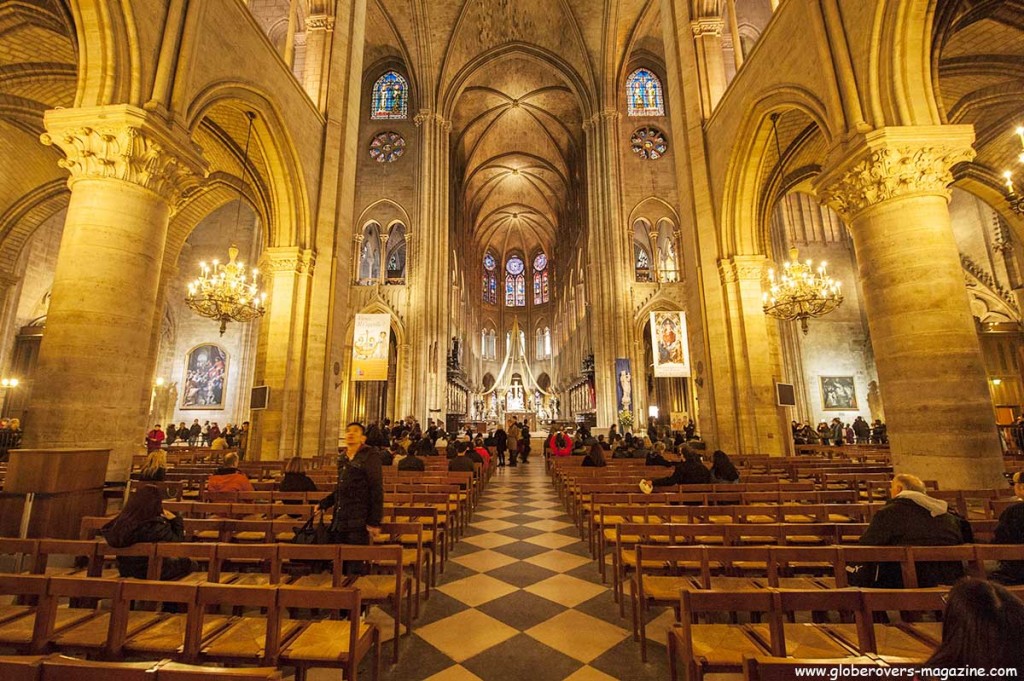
[432, 118]
[124, 143]
[892, 163]
[707, 26]
[320, 22]
[742, 268]
[288, 260]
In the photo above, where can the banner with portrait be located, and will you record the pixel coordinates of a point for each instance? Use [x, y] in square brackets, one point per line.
[669, 344]
[623, 385]
[206, 368]
[370, 345]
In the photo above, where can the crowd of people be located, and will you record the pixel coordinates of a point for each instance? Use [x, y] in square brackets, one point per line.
[835, 432]
[10, 436]
[207, 435]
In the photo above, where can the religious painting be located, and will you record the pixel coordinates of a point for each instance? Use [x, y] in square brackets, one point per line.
[370, 345]
[206, 368]
[669, 344]
[838, 393]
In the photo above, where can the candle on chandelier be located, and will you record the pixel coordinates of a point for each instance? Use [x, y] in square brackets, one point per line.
[1009, 181]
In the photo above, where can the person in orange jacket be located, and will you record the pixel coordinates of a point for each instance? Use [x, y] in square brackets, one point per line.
[228, 478]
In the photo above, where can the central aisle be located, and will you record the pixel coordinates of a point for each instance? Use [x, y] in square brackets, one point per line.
[521, 599]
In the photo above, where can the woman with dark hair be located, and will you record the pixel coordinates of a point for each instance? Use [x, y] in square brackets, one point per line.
[722, 469]
[979, 628]
[295, 478]
[143, 519]
[595, 457]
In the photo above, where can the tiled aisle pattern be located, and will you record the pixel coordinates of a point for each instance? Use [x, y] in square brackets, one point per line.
[522, 599]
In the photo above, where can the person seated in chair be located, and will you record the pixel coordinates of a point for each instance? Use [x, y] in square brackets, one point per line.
[1010, 530]
[912, 518]
[228, 478]
[144, 520]
[689, 471]
[461, 462]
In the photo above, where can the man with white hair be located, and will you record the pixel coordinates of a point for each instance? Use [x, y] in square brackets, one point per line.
[912, 518]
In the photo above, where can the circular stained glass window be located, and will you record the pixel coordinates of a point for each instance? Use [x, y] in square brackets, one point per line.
[515, 265]
[540, 262]
[387, 147]
[489, 261]
[649, 143]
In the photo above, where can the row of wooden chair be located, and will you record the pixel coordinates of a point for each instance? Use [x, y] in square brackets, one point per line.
[659, 572]
[274, 628]
[57, 667]
[698, 646]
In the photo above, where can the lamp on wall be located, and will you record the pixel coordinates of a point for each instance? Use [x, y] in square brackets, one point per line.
[1015, 199]
[225, 292]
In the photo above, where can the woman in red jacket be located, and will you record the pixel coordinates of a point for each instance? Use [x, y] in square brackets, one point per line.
[560, 444]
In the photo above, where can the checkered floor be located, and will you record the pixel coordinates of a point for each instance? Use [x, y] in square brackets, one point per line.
[521, 599]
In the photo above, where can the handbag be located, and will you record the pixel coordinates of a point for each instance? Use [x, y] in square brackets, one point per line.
[312, 534]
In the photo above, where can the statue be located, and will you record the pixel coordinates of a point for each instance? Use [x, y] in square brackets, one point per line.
[875, 402]
[626, 383]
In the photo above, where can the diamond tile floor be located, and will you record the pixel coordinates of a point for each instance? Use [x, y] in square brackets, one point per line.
[521, 599]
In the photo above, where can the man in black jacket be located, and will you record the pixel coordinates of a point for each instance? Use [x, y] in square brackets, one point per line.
[358, 499]
[1010, 530]
[912, 518]
[501, 444]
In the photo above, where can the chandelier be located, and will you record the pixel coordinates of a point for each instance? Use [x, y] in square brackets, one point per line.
[1015, 200]
[225, 292]
[800, 291]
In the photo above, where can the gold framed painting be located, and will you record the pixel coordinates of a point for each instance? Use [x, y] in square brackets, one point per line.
[838, 393]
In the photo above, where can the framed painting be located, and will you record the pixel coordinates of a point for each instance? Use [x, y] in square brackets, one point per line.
[206, 368]
[838, 393]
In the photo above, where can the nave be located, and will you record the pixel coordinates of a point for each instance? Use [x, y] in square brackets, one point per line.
[521, 598]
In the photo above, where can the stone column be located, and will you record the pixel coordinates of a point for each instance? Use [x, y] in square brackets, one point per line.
[734, 34]
[93, 378]
[891, 186]
[429, 285]
[707, 39]
[286, 274]
[755, 357]
[610, 314]
[319, 28]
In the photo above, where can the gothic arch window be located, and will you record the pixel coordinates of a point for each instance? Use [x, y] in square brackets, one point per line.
[515, 282]
[543, 342]
[488, 343]
[390, 98]
[395, 273]
[669, 266]
[644, 95]
[490, 279]
[369, 256]
[541, 292]
[643, 267]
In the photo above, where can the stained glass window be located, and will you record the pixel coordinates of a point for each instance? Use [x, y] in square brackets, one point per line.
[644, 95]
[489, 262]
[515, 265]
[537, 297]
[642, 263]
[490, 280]
[510, 291]
[492, 297]
[390, 97]
[540, 262]
[540, 279]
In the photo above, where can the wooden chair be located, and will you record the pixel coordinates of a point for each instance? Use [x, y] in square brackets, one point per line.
[175, 671]
[647, 589]
[91, 629]
[21, 667]
[19, 623]
[329, 642]
[700, 648]
[390, 586]
[242, 558]
[174, 634]
[415, 555]
[248, 638]
[303, 561]
[201, 554]
[815, 640]
[59, 668]
[18, 555]
[912, 637]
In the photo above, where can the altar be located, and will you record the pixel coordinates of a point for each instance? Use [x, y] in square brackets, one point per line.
[528, 416]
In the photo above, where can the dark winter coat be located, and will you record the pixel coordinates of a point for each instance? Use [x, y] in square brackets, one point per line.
[358, 499]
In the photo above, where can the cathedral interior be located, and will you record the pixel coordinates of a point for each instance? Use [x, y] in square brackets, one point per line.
[472, 212]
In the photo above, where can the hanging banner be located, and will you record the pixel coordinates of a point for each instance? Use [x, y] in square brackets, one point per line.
[668, 340]
[624, 385]
[370, 346]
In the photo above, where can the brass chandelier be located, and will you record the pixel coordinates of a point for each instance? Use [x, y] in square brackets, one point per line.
[1015, 199]
[225, 292]
[800, 292]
